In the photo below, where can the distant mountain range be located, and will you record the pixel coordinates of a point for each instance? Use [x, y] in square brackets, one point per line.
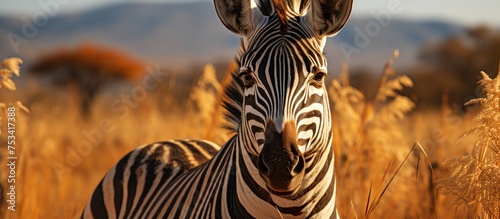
[184, 33]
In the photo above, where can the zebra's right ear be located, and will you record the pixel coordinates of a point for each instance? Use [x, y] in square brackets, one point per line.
[239, 16]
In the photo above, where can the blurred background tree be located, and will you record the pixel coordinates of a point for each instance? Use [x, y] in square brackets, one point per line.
[87, 69]
[446, 68]
[453, 65]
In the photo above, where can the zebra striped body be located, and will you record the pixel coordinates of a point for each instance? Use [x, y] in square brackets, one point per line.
[279, 163]
[161, 180]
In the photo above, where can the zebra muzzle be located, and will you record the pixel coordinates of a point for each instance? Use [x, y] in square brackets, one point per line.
[281, 163]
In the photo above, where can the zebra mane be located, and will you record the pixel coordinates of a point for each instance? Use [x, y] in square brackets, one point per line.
[232, 100]
[281, 10]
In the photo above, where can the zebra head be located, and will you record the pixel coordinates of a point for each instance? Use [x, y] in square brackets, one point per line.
[285, 121]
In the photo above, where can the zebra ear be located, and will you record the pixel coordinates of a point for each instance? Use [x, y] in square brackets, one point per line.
[239, 16]
[329, 16]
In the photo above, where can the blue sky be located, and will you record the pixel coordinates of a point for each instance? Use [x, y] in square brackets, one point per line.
[467, 12]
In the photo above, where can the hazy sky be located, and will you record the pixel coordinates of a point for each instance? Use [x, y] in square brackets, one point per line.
[459, 11]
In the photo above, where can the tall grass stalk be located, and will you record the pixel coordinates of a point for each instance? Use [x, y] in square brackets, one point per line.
[369, 134]
[474, 181]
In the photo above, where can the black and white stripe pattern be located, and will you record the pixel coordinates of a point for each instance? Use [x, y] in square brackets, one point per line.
[280, 162]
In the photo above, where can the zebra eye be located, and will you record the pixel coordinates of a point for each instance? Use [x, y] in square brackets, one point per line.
[247, 78]
[319, 77]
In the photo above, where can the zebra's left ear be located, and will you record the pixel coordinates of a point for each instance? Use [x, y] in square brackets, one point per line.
[328, 17]
[239, 16]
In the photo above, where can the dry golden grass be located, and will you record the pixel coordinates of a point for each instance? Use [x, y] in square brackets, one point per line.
[370, 134]
[8, 68]
[474, 181]
[63, 156]
[204, 102]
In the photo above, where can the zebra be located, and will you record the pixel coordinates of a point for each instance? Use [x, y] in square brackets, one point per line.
[280, 161]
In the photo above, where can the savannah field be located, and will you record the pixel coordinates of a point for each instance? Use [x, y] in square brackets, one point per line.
[394, 157]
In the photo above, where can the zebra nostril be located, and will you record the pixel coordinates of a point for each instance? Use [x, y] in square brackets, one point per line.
[294, 149]
[299, 165]
[263, 168]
